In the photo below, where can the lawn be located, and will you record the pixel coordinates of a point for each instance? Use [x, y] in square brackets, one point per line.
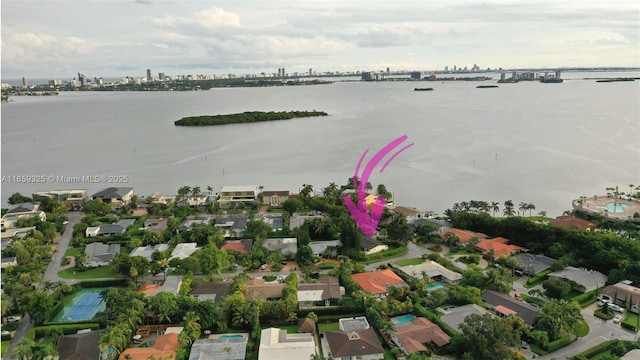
[95, 273]
[582, 329]
[631, 319]
[73, 252]
[324, 327]
[5, 346]
[407, 262]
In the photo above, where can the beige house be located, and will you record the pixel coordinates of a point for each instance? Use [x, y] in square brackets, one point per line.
[237, 196]
[275, 198]
[72, 199]
[277, 344]
[21, 211]
[116, 196]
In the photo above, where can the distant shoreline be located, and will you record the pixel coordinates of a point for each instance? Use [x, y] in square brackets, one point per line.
[245, 117]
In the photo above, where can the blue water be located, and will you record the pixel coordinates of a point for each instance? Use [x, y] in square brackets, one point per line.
[235, 336]
[614, 207]
[435, 286]
[403, 319]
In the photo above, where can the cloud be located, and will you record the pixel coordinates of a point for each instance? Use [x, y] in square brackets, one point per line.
[210, 19]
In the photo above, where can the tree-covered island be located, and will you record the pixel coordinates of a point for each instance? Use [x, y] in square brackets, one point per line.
[245, 117]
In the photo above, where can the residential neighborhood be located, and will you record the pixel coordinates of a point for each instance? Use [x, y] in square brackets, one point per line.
[253, 273]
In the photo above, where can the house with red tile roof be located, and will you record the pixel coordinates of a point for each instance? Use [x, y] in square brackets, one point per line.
[463, 235]
[499, 246]
[242, 246]
[165, 348]
[411, 336]
[378, 282]
[566, 221]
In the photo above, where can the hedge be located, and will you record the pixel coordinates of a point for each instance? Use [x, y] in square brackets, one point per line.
[539, 277]
[399, 251]
[597, 350]
[103, 283]
[557, 344]
[67, 329]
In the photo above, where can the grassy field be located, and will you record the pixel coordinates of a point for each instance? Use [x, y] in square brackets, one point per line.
[95, 273]
[407, 262]
[324, 327]
[631, 319]
[5, 346]
[73, 252]
[582, 329]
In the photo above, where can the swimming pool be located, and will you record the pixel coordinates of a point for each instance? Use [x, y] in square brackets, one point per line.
[435, 286]
[403, 319]
[232, 336]
[613, 207]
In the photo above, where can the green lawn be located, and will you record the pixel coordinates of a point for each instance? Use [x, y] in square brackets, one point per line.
[99, 272]
[582, 329]
[631, 319]
[324, 327]
[5, 346]
[407, 262]
[73, 252]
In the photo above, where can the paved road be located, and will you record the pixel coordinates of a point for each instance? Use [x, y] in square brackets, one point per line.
[51, 274]
[599, 332]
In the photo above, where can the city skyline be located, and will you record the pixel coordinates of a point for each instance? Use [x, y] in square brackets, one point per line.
[112, 39]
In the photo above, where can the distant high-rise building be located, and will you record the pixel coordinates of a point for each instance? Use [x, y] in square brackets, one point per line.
[283, 73]
[25, 82]
[416, 75]
[149, 77]
[55, 82]
[310, 71]
[388, 70]
[82, 78]
[455, 68]
[558, 74]
[503, 76]
[161, 76]
[446, 69]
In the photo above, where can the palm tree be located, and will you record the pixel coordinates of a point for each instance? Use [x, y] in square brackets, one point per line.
[47, 352]
[183, 192]
[210, 189]
[495, 207]
[191, 323]
[530, 207]
[567, 313]
[542, 213]
[24, 350]
[522, 207]
[508, 208]
[498, 279]
[195, 191]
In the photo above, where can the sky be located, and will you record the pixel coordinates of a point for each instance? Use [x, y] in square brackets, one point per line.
[56, 39]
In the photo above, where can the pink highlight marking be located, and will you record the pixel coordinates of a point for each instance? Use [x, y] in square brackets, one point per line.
[365, 221]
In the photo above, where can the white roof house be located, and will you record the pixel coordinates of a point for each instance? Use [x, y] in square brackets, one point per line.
[146, 251]
[433, 270]
[183, 250]
[277, 344]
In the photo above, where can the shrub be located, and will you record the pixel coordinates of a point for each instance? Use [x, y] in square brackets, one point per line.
[600, 314]
[557, 344]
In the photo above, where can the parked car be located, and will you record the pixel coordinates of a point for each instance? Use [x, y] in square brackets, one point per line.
[263, 266]
[617, 318]
[616, 308]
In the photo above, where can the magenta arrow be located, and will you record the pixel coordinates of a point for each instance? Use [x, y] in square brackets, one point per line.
[367, 222]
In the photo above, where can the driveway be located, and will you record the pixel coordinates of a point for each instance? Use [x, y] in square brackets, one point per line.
[51, 274]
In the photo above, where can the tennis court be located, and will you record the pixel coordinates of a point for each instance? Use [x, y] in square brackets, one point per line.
[83, 306]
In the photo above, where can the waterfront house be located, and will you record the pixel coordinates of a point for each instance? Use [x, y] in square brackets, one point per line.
[566, 221]
[71, 199]
[115, 196]
[237, 197]
[275, 198]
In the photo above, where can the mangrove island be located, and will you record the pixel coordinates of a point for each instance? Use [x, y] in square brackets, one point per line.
[245, 117]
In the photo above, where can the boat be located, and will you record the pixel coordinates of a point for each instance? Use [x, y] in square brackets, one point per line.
[486, 86]
[551, 80]
[423, 89]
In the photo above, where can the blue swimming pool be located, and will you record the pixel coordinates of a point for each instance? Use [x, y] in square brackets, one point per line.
[403, 319]
[614, 207]
[232, 336]
[435, 286]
